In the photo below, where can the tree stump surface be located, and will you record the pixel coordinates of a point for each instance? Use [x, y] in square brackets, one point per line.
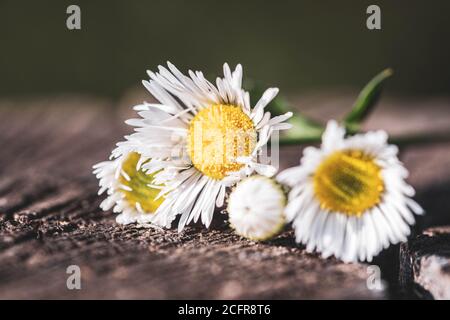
[425, 264]
[50, 219]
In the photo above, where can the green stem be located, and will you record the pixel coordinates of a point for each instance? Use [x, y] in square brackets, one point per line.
[401, 140]
[417, 139]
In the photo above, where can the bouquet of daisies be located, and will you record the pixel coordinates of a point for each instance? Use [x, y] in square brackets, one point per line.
[200, 148]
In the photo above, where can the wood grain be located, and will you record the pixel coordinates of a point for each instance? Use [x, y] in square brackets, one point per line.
[49, 219]
[425, 264]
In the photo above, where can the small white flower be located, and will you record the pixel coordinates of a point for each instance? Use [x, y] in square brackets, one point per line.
[349, 198]
[256, 208]
[200, 139]
[129, 189]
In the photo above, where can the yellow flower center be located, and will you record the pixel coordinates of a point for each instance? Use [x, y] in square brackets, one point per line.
[349, 182]
[217, 136]
[138, 181]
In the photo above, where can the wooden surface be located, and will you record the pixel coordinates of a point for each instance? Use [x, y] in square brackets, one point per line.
[425, 264]
[49, 219]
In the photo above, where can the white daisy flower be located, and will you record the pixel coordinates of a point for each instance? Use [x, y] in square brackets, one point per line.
[349, 198]
[129, 189]
[256, 208]
[200, 139]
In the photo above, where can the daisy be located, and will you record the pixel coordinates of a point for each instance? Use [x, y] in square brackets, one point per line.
[200, 139]
[129, 189]
[256, 208]
[349, 198]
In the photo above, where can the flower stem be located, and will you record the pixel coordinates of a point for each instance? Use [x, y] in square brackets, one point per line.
[296, 138]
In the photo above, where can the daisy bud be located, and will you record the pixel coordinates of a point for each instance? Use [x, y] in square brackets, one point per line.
[256, 208]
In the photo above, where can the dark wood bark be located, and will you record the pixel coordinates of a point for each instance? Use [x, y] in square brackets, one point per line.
[425, 264]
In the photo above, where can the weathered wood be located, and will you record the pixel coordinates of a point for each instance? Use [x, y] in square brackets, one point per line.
[425, 264]
[49, 219]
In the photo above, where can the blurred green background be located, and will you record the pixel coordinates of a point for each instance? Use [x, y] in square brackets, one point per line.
[295, 45]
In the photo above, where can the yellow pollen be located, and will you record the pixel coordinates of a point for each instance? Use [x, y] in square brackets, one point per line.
[349, 182]
[138, 181]
[218, 135]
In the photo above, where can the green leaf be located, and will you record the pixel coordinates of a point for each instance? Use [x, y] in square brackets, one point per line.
[277, 106]
[303, 129]
[367, 98]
